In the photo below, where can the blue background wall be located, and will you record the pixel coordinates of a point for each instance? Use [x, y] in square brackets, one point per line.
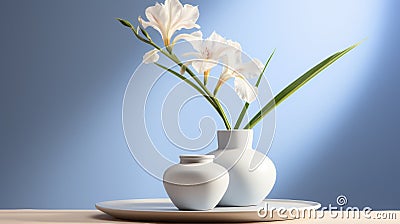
[65, 66]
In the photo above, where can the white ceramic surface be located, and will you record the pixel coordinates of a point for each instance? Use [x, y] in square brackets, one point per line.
[162, 210]
[196, 183]
[252, 175]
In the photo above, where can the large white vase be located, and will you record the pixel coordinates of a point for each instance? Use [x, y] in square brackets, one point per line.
[252, 175]
[196, 183]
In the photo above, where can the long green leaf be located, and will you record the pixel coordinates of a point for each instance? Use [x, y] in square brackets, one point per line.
[297, 84]
[246, 105]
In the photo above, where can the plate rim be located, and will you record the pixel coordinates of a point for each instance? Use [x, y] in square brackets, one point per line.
[311, 205]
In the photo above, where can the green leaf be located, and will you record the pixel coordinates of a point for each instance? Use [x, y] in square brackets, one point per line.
[125, 23]
[265, 67]
[297, 84]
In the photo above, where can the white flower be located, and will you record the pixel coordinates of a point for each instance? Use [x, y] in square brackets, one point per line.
[235, 68]
[233, 62]
[208, 51]
[170, 17]
[244, 89]
[151, 57]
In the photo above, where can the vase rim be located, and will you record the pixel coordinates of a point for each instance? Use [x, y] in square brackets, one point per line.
[195, 156]
[196, 159]
[236, 130]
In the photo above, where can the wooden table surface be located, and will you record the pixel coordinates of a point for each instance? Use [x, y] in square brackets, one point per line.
[93, 216]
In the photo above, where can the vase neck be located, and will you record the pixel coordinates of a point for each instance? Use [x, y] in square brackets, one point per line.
[191, 159]
[234, 139]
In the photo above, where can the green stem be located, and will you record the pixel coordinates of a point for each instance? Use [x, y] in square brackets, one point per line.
[222, 114]
[217, 105]
[210, 96]
[190, 83]
[219, 108]
[246, 105]
[182, 78]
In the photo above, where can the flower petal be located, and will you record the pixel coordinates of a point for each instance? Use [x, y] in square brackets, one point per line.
[203, 65]
[182, 17]
[245, 90]
[235, 47]
[259, 64]
[157, 15]
[222, 79]
[231, 61]
[250, 69]
[193, 38]
[216, 37]
[151, 57]
[214, 47]
[174, 10]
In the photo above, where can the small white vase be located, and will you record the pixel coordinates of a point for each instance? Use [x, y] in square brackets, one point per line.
[196, 183]
[252, 175]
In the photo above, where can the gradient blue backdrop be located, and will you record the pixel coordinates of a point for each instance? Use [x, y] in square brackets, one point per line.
[65, 66]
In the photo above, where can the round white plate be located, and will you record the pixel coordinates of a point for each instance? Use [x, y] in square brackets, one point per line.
[162, 210]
